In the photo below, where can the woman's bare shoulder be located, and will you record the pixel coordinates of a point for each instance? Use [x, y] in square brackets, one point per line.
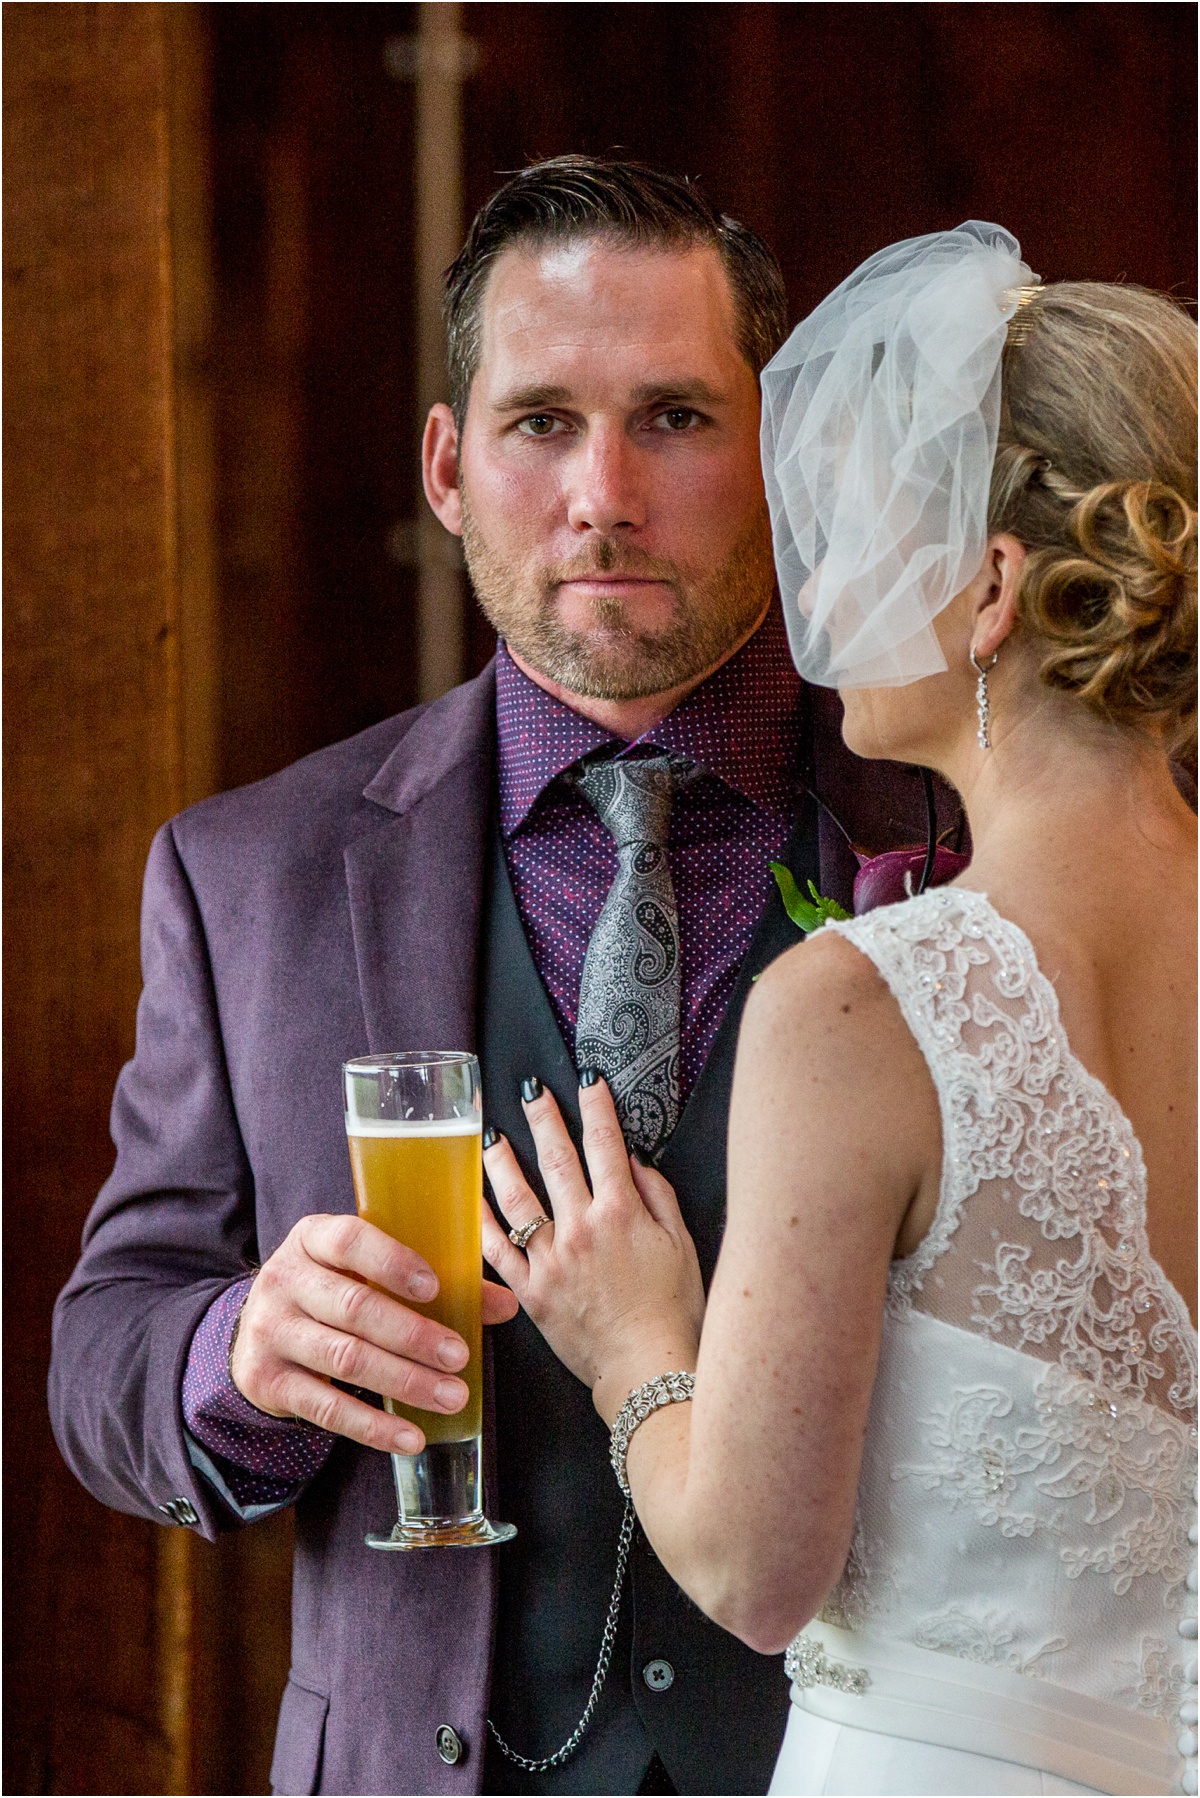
[825, 1053]
[824, 983]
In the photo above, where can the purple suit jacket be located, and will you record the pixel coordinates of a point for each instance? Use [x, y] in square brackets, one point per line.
[329, 911]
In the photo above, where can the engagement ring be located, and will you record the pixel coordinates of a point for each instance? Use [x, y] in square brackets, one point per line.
[521, 1237]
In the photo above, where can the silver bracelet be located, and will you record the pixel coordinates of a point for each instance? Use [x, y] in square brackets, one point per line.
[664, 1389]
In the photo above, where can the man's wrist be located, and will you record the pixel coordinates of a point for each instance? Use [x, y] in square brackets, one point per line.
[276, 1416]
[233, 1335]
[218, 1415]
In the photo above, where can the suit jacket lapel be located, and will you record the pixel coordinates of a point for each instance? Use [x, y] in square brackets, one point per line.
[416, 873]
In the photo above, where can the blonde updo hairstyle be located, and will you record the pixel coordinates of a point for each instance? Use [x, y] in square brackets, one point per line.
[1096, 475]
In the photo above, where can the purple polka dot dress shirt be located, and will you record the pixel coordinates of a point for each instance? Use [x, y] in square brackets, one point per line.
[742, 730]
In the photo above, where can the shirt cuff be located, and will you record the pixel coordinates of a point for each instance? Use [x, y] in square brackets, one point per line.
[262, 1460]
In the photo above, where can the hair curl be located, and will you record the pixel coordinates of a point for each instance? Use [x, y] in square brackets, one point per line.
[1096, 474]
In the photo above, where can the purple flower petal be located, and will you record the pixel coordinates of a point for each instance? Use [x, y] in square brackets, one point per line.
[886, 879]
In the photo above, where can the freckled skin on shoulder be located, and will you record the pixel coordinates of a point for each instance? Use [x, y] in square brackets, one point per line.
[824, 1041]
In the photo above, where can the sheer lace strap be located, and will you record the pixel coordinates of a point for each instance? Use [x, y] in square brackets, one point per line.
[936, 953]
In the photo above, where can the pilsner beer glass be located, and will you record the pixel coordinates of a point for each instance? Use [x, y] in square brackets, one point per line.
[414, 1123]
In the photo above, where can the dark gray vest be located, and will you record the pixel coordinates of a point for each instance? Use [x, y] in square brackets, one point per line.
[718, 1724]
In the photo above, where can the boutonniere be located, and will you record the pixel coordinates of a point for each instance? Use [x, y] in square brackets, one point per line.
[886, 879]
[881, 880]
[806, 914]
[902, 874]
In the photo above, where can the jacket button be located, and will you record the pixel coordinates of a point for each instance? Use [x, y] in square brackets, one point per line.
[180, 1510]
[449, 1745]
[658, 1675]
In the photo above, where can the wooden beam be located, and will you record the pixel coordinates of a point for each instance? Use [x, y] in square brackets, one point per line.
[442, 62]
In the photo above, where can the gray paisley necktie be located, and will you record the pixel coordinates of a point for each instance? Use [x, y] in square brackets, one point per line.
[628, 1025]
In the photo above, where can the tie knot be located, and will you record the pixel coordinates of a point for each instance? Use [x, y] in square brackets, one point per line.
[631, 799]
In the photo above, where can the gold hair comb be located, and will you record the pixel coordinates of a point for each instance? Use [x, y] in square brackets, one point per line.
[1021, 322]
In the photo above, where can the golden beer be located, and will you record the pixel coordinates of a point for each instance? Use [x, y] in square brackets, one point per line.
[422, 1183]
[413, 1125]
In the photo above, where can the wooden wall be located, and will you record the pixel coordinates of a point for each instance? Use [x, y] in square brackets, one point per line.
[137, 1659]
[313, 377]
[92, 764]
[210, 484]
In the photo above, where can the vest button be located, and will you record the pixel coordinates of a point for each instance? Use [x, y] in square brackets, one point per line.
[658, 1675]
[449, 1745]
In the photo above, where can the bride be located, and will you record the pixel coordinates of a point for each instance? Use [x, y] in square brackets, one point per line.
[941, 1437]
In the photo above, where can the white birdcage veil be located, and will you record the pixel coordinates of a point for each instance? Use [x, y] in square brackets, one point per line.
[880, 416]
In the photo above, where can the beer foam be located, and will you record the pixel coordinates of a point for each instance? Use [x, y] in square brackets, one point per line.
[356, 1126]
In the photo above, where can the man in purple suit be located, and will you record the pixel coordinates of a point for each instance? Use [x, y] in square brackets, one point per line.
[435, 882]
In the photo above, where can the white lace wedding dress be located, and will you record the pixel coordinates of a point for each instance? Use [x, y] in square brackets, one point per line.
[1018, 1611]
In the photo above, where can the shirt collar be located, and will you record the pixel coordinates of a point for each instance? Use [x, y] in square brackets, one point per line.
[741, 725]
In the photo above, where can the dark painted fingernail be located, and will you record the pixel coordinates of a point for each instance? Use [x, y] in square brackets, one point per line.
[490, 1137]
[531, 1089]
[588, 1076]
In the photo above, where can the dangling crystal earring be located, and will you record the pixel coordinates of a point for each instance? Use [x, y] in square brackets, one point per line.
[981, 698]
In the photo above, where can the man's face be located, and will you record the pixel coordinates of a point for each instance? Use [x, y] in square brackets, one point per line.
[613, 514]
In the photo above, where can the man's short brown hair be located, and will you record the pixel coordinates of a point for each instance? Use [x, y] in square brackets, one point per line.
[627, 203]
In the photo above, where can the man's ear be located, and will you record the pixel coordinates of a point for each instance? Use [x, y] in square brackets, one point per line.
[439, 468]
[996, 586]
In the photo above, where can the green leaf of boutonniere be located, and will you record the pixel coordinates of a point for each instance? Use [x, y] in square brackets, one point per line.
[807, 914]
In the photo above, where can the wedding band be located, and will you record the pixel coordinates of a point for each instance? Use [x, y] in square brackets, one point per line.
[520, 1237]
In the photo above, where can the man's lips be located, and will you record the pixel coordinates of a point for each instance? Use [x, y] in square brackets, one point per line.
[610, 585]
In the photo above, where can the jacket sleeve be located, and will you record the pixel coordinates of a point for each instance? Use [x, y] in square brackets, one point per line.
[173, 1227]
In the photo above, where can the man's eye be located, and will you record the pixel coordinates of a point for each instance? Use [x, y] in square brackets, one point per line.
[540, 424]
[676, 418]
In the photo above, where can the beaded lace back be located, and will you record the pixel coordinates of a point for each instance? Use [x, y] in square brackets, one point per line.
[1040, 1235]
[1028, 1472]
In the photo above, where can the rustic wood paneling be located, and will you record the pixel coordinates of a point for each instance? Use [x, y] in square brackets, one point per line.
[313, 362]
[188, 53]
[92, 765]
[137, 1658]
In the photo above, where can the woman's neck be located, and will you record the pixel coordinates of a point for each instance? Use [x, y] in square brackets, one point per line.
[1064, 802]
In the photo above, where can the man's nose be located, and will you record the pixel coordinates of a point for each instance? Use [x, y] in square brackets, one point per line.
[605, 483]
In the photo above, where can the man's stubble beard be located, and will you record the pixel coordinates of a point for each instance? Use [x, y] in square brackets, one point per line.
[713, 613]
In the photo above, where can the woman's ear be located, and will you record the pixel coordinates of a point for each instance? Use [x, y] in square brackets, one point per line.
[996, 602]
[439, 468]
